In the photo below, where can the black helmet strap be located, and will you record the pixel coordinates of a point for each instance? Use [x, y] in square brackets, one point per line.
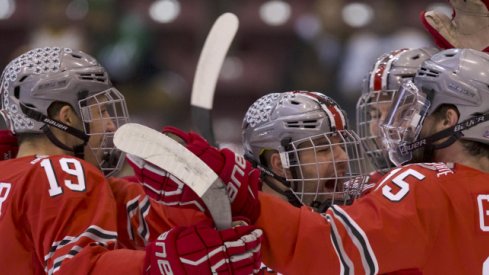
[78, 150]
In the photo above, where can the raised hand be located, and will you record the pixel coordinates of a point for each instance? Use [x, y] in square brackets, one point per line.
[241, 179]
[468, 27]
[164, 187]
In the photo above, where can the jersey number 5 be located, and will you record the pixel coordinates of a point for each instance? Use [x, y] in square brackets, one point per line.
[401, 184]
[70, 166]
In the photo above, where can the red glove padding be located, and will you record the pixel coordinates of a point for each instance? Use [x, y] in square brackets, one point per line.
[202, 249]
[164, 187]
[8, 145]
[241, 179]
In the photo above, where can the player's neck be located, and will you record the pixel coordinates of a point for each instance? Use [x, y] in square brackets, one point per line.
[39, 147]
[457, 154]
[269, 190]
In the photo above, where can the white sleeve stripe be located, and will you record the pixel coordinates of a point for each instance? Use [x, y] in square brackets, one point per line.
[359, 238]
[143, 231]
[346, 265]
[58, 261]
[131, 208]
[134, 207]
[93, 232]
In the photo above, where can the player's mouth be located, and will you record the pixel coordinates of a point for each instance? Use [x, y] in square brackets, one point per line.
[335, 184]
[331, 185]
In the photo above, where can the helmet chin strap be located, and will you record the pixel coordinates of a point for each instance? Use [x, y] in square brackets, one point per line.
[292, 198]
[424, 148]
[78, 150]
[425, 154]
[288, 193]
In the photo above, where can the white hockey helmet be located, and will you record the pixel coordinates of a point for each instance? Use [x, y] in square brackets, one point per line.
[381, 85]
[296, 121]
[458, 77]
[33, 81]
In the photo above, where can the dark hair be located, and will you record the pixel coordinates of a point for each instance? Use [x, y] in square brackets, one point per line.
[472, 147]
[55, 107]
[52, 111]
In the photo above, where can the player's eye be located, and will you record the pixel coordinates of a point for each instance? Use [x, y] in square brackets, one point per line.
[374, 114]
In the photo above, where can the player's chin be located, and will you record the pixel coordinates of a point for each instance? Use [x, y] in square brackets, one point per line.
[92, 156]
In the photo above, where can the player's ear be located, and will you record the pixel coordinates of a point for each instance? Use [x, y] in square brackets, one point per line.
[67, 115]
[276, 164]
[450, 118]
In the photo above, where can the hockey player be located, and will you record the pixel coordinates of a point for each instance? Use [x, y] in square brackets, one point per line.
[60, 214]
[381, 85]
[301, 141]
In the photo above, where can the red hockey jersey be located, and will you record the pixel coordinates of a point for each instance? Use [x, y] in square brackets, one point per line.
[60, 214]
[433, 217]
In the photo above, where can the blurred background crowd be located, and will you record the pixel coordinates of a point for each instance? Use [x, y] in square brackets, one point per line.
[151, 48]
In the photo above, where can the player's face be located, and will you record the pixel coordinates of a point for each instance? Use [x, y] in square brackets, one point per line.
[321, 165]
[377, 113]
[101, 123]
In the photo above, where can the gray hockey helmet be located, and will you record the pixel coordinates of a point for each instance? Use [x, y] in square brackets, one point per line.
[291, 115]
[33, 81]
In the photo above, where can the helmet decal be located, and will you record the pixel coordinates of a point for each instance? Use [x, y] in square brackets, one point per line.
[380, 73]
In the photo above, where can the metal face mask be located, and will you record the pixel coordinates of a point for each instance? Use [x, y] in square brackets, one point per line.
[102, 114]
[404, 122]
[324, 167]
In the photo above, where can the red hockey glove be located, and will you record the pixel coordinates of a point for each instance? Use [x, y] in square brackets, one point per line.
[468, 27]
[201, 249]
[164, 187]
[8, 145]
[241, 179]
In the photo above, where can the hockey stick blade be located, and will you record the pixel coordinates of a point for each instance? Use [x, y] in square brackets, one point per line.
[171, 156]
[207, 72]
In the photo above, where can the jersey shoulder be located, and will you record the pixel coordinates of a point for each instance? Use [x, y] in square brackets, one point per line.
[433, 170]
[402, 182]
[57, 174]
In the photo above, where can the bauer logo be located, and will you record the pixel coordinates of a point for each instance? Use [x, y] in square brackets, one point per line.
[236, 176]
[460, 90]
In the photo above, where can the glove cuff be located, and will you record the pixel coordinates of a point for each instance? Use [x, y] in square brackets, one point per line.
[238, 170]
